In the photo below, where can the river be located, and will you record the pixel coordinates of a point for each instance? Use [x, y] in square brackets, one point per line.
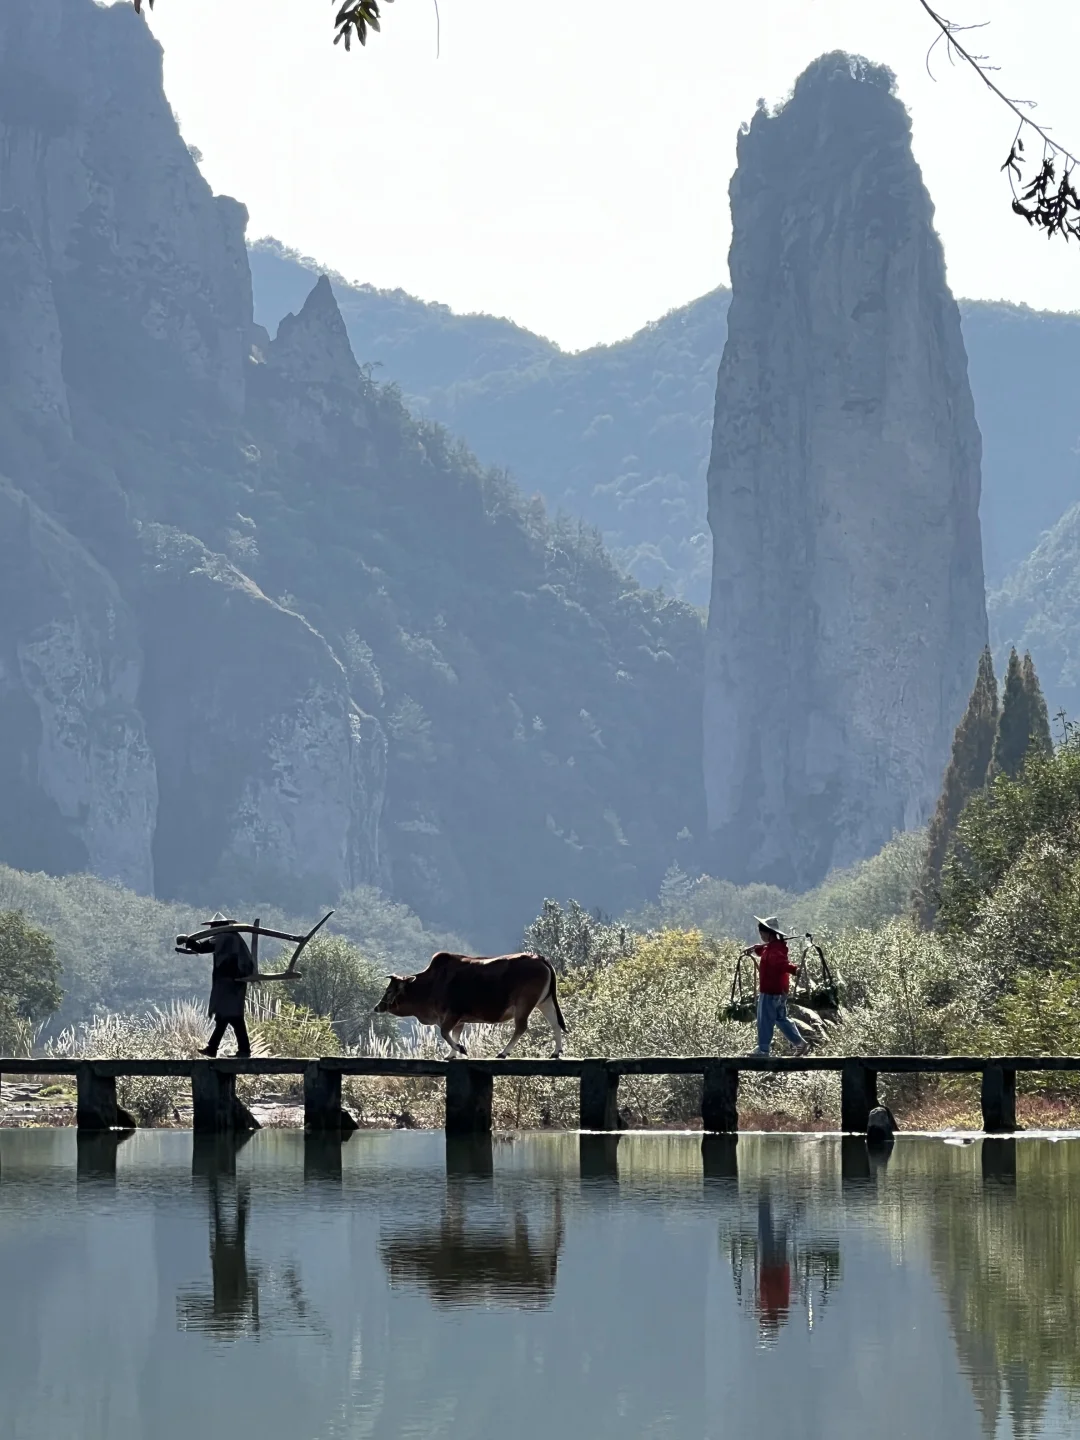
[401, 1287]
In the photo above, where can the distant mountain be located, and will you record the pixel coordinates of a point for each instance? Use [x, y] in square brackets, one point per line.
[1038, 609]
[619, 434]
[263, 633]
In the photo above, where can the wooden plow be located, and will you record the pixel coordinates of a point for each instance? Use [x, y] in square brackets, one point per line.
[255, 930]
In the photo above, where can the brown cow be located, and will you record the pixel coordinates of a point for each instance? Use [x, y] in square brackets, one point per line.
[457, 990]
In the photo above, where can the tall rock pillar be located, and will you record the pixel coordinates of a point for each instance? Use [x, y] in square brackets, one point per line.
[848, 607]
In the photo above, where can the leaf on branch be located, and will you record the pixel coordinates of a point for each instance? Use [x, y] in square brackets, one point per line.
[356, 17]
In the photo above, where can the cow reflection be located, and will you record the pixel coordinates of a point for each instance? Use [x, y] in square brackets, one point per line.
[777, 1269]
[459, 1265]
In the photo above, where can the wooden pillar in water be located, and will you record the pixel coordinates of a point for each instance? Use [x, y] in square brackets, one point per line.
[858, 1096]
[998, 1100]
[468, 1099]
[998, 1162]
[323, 1111]
[720, 1157]
[96, 1153]
[598, 1156]
[215, 1108]
[599, 1096]
[720, 1099]
[95, 1106]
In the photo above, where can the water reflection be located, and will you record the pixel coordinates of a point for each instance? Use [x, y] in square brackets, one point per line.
[234, 1303]
[480, 1253]
[777, 1266]
[669, 1287]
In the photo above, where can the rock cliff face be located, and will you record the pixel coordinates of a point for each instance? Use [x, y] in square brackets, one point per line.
[270, 776]
[146, 263]
[847, 609]
[76, 771]
[125, 296]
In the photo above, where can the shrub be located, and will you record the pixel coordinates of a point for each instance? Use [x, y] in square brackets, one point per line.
[340, 984]
[572, 939]
[283, 1028]
[29, 969]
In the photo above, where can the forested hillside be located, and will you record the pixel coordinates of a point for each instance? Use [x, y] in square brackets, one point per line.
[620, 433]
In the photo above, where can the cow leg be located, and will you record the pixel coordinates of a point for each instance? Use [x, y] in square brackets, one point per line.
[447, 1033]
[547, 1009]
[455, 1035]
[521, 1024]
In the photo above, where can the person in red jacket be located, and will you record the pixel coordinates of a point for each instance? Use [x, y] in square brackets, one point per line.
[774, 976]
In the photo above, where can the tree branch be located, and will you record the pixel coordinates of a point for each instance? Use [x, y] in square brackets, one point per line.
[1044, 201]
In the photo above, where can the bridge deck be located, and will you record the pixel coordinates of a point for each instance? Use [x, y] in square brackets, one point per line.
[469, 1083]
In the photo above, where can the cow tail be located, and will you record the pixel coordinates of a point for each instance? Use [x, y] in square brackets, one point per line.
[554, 996]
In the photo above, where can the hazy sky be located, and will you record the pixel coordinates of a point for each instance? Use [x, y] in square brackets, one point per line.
[567, 164]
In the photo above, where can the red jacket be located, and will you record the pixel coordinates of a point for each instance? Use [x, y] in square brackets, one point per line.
[774, 968]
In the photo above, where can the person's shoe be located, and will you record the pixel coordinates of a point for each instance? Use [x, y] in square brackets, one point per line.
[758, 1055]
[801, 1050]
[210, 1054]
[246, 1054]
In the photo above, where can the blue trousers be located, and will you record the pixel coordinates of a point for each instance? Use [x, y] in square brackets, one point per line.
[772, 1014]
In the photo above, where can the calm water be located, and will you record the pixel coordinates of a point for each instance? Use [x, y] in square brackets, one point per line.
[398, 1287]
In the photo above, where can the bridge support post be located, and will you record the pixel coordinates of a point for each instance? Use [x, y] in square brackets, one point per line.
[215, 1108]
[998, 1100]
[95, 1105]
[323, 1111]
[599, 1096]
[858, 1096]
[720, 1099]
[468, 1099]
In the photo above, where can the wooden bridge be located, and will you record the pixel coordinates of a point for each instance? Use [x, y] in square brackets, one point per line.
[469, 1085]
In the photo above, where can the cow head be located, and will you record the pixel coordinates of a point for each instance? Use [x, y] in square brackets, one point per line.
[395, 998]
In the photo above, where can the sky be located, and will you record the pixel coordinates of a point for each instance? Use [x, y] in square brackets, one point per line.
[567, 165]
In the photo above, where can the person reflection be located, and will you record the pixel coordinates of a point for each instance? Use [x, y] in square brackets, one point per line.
[774, 1271]
[231, 1306]
[790, 1271]
[459, 1264]
[240, 1300]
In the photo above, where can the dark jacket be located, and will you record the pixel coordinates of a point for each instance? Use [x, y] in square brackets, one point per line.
[232, 961]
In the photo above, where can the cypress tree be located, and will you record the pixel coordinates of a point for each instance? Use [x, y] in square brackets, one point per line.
[1023, 722]
[1040, 720]
[968, 768]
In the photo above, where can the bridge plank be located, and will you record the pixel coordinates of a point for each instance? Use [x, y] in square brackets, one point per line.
[569, 1067]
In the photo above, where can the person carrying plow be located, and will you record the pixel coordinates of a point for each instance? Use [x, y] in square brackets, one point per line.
[235, 968]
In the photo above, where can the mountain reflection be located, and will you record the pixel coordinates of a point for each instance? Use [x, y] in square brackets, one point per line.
[475, 1259]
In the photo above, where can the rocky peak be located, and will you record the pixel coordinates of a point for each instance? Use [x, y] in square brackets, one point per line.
[848, 610]
[312, 348]
[148, 267]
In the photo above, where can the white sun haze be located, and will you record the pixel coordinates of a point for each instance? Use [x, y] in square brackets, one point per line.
[568, 166]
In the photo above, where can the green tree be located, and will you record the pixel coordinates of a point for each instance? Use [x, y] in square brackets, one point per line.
[1033, 816]
[1023, 721]
[1039, 730]
[969, 765]
[338, 983]
[29, 969]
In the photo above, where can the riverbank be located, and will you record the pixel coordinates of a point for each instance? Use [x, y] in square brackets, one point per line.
[944, 1109]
